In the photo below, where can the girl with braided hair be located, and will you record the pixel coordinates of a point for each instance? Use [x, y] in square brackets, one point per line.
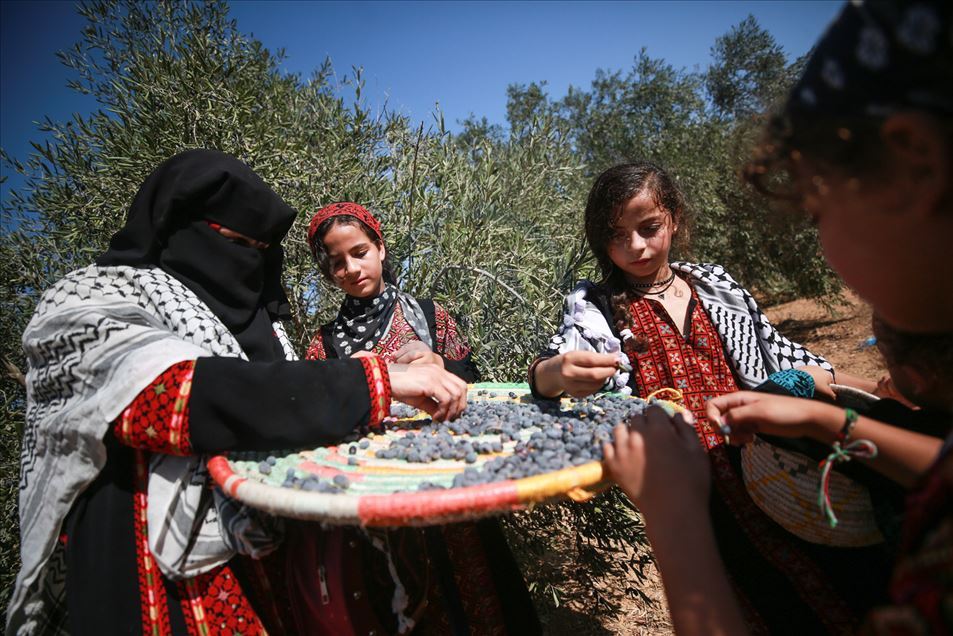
[652, 324]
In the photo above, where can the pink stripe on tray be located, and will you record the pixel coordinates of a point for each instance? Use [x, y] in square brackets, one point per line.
[384, 509]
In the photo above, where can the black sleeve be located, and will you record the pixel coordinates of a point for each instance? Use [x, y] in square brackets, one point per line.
[464, 369]
[239, 405]
[329, 351]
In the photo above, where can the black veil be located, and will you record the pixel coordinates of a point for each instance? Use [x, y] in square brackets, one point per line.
[168, 227]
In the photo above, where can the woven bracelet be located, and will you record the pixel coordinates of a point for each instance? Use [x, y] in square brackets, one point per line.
[850, 420]
[842, 451]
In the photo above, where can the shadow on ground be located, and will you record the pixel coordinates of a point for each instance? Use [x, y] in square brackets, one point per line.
[807, 330]
[564, 621]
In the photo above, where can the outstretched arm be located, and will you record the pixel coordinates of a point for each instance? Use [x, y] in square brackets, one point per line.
[218, 404]
[660, 465]
[903, 455]
[578, 373]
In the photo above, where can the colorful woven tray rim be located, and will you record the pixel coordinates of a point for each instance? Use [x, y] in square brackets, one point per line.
[407, 508]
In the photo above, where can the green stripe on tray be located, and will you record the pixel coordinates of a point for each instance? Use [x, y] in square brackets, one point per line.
[501, 385]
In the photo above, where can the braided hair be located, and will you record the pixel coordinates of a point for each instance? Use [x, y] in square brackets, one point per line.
[610, 192]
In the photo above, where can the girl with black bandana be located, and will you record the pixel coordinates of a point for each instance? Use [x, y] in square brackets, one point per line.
[863, 145]
[170, 348]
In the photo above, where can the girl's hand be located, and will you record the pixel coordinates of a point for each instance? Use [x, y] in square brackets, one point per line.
[363, 354]
[659, 463]
[887, 388]
[429, 388]
[416, 352]
[746, 413]
[578, 373]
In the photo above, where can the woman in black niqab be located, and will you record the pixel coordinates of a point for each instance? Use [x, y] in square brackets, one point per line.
[168, 226]
[211, 403]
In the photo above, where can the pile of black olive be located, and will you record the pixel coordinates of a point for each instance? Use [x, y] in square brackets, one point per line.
[547, 437]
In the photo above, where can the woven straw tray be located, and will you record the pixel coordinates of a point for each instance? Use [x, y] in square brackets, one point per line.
[383, 492]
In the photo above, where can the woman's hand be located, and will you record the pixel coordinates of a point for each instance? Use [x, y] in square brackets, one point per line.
[746, 413]
[429, 388]
[416, 352]
[659, 463]
[578, 373]
[363, 354]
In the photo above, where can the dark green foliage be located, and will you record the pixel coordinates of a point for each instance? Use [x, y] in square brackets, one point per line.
[597, 549]
[488, 222]
[749, 71]
[702, 127]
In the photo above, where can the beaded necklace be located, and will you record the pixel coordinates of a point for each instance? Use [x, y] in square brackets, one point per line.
[644, 288]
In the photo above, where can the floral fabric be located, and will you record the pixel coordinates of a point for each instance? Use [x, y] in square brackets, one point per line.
[158, 419]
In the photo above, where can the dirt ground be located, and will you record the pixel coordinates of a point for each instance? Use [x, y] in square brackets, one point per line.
[838, 334]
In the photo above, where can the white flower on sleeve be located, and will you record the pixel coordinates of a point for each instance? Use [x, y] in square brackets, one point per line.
[919, 29]
[832, 74]
[872, 48]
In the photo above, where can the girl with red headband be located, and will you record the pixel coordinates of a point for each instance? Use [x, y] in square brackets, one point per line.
[376, 317]
[475, 584]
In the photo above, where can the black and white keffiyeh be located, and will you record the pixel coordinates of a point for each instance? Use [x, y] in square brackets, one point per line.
[97, 339]
[362, 322]
[753, 347]
[584, 328]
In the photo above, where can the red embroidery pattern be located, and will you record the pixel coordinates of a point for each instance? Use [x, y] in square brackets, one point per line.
[158, 419]
[316, 348]
[152, 597]
[450, 342]
[343, 208]
[474, 580]
[399, 334]
[214, 604]
[695, 364]
[378, 386]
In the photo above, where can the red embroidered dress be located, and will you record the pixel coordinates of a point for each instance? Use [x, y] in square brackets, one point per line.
[483, 593]
[757, 552]
[214, 602]
[693, 363]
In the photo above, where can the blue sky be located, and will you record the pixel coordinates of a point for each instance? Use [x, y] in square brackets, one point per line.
[461, 55]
